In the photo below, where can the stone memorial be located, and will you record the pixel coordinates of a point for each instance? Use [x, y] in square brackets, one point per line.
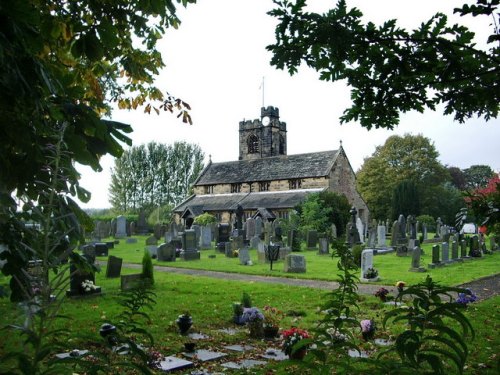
[132, 281]
[463, 249]
[166, 252]
[228, 249]
[415, 260]
[295, 263]
[454, 252]
[372, 234]
[223, 232]
[381, 236]
[324, 246]
[112, 229]
[312, 240]
[206, 237]
[132, 228]
[78, 279]
[189, 251]
[395, 234]
[334, 231]
[435, 257]
[258, 227]
[121, 227]
[366, 263]
[114, 267]
[172, 363]
[89, 252]
[250, 228]
[268, 231]
[475, 250]
[244, 256]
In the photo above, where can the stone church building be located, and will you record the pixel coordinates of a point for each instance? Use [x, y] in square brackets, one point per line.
[265, 180]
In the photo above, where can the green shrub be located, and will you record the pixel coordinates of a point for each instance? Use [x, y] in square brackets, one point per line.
[147, 267]
[246, 300]
[428, 220]
[205, 219]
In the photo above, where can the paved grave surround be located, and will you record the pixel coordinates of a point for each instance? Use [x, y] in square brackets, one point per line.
[244, 364]
[204, 355]
[172, 363]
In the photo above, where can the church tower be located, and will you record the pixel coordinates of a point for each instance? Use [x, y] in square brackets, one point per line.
[263, 138]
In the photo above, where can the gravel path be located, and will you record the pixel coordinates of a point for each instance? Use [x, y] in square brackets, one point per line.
[485, 287]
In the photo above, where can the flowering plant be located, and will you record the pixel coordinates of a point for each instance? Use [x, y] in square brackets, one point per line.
[370, 273]
[88, 285]
[252, 314]
[382, 293]
[272, 316]
[466, 298]
[367, 328]
[291, 337]
[400, 285]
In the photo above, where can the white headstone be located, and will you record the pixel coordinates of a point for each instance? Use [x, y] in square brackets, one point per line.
[366, 261]
[381, 236]
[360, 227]
[121, 227]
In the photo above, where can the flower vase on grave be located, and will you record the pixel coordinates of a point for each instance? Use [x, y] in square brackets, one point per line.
[184, 322]
[298, 354]
[256, 329]
[270, 332]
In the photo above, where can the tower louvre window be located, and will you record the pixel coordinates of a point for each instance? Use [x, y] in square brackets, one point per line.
[253, 144]
[295, 183]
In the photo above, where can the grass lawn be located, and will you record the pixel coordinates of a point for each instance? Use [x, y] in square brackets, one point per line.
[391, 267]
[209, 302]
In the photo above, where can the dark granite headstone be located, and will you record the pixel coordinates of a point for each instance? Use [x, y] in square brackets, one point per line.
[114, 267]
[166, 252]
[101, 249]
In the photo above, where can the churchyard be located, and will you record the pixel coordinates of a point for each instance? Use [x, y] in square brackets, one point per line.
[214, 343]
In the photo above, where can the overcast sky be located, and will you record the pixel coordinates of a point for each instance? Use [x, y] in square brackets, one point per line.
[216, 61]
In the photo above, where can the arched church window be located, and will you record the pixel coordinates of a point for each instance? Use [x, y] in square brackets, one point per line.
[253, 144]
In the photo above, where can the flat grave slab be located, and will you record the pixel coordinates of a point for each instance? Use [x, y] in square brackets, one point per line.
[204, 355]
[239, 348]
[245, 364]
[197, 336]
[274, 354]
[229, 331]
[172, 363]
[383, 342]
[355, 354]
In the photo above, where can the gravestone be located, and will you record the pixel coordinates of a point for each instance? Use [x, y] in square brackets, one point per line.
[401, 229]
[268, 231]
[131, 240]
[166, 252]
[258, 227]
[361, 230]
[89, 252]
[228, 249]
[152, 250]
[284, 251]
[412, 226]
[121, 227]
[206, 237]
[132, 281]
[278, 231]
[439, 223]
[261, 253]
[112, 229]
[475, 250]
[415, 260]
[77, 277]
[250, 228]
[366, 263]
[189, 251]
[454, 251]
[223, 232]
[424, 231]
[401, 250]
[463, 249]
[244, 256]
[169, 236]
[294, 240]
[157, 231]
[254, 242]
[295, 263]
[132, 228]
[324, 246]
[435, 257]
[114, 267]
[142, 225]
[372, 234]
[197, 230]
[172, 363]
[381, 236]
[334, 231]
[151, 240]
[312, 240]
[395, 234]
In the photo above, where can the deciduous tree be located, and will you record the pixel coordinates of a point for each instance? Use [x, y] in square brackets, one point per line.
[477, 176]
[392, 70]
[406, 158]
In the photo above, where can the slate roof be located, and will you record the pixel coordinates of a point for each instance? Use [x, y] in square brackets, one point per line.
[249, 201]
[283, 167]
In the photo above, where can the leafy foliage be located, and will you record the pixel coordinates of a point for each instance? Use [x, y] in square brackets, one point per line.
[437, 329]
[484, 204]
[335, 329]
[320, 210]
[392, 70]
[477, 176]
[205, 219]
[401, 158]
[147, 268]
[155, 174]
